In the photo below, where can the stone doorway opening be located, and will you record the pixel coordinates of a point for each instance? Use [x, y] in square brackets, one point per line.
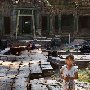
[7, 25]
[44, 24]
[25, 25]
[67, 23]
[84, 25]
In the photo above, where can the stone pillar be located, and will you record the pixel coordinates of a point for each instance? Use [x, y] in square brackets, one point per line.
[13, 21]
[38, 24]
[48, 24]
[17, 23]
[33, 19]
[76, 17]
[51, 24]
[59, 16]
[1, 25]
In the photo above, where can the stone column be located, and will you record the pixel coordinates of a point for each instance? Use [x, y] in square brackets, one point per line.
[13, 21]
[76, 17]
[33, 19]
[17, 23]
[51, 24]
[48, 24]
[38, 24]
[1, 25]
[59, 17]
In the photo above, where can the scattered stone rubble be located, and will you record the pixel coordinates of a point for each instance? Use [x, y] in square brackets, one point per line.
[28, 71]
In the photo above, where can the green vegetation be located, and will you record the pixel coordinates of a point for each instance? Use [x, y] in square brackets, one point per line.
[84, 75]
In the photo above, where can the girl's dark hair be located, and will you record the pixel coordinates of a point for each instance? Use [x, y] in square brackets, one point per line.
[70, 56]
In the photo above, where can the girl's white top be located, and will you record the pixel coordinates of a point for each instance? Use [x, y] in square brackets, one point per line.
[65, 72]
[70, 72]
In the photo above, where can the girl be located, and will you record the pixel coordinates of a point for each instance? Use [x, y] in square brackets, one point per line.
[68, 73]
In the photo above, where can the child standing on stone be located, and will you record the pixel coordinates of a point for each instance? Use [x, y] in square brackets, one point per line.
[68, 73]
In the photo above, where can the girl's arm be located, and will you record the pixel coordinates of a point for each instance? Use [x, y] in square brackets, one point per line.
[75, 77]
[61, 73]
[67, 78]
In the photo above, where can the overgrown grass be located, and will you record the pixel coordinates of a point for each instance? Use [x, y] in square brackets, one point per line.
[84, 75]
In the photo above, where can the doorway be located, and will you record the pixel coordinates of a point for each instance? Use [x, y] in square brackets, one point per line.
[44, 24]
[67, 23]
[84, 25]
[7, 25]
[25, 25]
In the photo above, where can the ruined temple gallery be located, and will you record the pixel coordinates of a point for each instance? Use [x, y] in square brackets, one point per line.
[45, 17]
